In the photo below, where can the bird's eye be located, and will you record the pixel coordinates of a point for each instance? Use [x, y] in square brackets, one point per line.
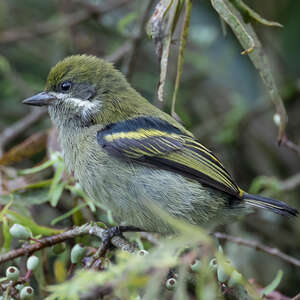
[65, 86]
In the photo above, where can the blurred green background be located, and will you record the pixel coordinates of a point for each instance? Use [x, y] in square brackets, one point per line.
[221, 98]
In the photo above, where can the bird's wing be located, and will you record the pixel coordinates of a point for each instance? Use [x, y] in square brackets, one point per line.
[158, 143]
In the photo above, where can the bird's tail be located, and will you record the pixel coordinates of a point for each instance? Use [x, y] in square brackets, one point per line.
[273, 205]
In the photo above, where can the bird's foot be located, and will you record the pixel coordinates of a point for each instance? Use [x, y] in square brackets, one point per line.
[117, 231]
[96, 260]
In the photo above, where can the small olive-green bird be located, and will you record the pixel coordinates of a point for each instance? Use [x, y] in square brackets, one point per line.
[131, 156]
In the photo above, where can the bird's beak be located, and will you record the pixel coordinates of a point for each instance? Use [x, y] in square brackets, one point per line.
[40, 99]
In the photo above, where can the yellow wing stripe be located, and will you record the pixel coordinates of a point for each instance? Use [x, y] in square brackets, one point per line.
[213, 165]
[217, 172]
[139, 134]
[186, 161]
[197, 145]
[168, 144]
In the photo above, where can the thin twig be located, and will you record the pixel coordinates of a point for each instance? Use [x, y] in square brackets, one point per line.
[52, 26]
[20, 126]
[91, 229]
[183, 39]
[289, 144]
[137, 40]
[290, 183]
[119, 53]
[102, 9]
[45, 28]
[257, 246]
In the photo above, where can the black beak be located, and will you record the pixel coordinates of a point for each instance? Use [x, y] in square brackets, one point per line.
[40, 99]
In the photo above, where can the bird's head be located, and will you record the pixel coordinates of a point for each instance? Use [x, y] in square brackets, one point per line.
[83, 90]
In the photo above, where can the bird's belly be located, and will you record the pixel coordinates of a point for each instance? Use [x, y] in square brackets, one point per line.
[133, 192]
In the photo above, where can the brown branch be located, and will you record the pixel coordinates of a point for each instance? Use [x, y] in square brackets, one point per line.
[257, 246]
[290, 183]
[45, 28]
[91, 229]
[20, 126]
[102, 9]
[32, 145]
[119, 53]
[297, 297]
[136, 42]
[52, 26]
[289, 144]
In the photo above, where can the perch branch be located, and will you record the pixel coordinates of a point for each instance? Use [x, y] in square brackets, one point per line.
[13, 131]
[257, 246]
[91, 229]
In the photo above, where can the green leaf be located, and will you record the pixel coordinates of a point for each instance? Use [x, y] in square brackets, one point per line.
[39, 168]
[125, 21]
[57, 194]
[76, 190]
[28, 222]
[273, 285]
[27, 197]
[6, 236]
[57, 187]
[68, 214]
[6, 207]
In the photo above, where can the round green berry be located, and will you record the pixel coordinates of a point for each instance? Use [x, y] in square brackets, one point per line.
[26, 293]
[171, 283]
[32, 262]
[195, 266]
[19, 232]
[77, 253]
[12, 273]
[142, 252]
[213, 265]
[19, 286]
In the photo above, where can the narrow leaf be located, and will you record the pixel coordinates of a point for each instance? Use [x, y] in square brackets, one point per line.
[68, 214]
[273, 285]
[183, 38]
[28, 222]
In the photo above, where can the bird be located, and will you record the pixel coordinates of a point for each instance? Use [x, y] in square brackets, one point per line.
[133, 158]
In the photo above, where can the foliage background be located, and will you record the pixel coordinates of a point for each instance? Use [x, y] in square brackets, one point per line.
[221, 99]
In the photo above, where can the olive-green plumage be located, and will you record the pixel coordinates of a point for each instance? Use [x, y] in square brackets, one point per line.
[131, 156]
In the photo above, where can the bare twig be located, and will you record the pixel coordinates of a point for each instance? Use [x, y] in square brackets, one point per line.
[136, 42]
[52, 26]
[290, 183]
[291, 145]
[32, 145]
[297, 297]
[91, 229]
[119, 53]
[13, 131]
[102, 9]
[45, 28]
[183, 39]
[253, 244]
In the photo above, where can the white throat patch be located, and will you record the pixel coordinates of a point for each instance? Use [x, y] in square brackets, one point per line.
[86, 108]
